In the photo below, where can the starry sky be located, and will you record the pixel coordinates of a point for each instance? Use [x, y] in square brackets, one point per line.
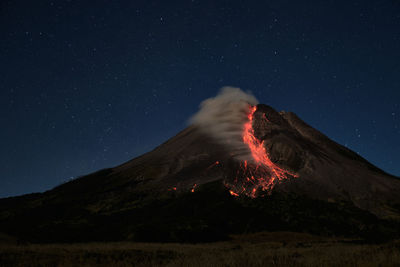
[87, 85]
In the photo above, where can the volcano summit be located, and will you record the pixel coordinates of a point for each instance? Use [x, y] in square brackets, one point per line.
[238, 167]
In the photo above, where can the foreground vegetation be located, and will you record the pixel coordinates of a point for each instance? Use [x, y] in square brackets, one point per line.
[262, 249]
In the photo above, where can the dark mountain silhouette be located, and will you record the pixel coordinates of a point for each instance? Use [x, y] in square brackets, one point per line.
[191, 188]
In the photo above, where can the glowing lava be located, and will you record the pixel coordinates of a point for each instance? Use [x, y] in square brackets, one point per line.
[194, 186]
[233, 193]
[263, 174]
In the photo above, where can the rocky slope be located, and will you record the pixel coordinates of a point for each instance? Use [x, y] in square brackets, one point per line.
[191, 188]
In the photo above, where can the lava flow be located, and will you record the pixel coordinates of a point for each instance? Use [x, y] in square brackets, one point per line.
[260, 175]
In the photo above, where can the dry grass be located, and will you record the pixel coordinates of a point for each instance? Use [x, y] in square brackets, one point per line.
[265, 249]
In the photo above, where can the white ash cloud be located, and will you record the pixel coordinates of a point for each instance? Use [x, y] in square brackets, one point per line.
[223, 117]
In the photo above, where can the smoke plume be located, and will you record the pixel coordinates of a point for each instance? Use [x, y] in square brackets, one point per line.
[223, 117]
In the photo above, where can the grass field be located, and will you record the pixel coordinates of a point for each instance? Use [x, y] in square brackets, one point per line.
[262, 249]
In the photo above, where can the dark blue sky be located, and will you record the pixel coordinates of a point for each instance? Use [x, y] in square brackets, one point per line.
[86, 85]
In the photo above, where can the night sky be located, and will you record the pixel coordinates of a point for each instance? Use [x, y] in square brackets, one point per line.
[86, 85]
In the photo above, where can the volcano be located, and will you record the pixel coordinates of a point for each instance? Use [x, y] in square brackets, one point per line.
[239, 167]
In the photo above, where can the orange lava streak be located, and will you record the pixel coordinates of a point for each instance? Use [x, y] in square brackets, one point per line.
[265, 174]
[233, 193]
[257, 148]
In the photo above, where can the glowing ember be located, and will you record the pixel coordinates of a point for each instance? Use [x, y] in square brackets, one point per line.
[233, 193]
[193, 188]
[263, 174]
[214, 164]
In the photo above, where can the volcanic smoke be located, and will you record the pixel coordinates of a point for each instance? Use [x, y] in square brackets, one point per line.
[229, 119]
[222, 117]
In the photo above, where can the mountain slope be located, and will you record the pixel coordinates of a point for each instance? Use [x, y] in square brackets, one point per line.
[194, 188]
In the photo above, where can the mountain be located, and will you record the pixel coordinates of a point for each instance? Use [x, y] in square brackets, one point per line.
[195, 187]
